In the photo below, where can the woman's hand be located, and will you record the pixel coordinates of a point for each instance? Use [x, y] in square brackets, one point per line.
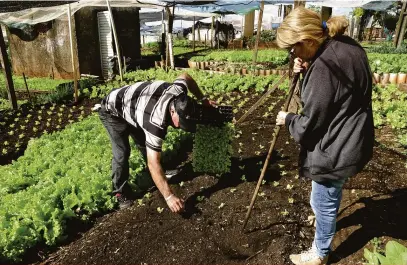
[299, 65]
[280, 120]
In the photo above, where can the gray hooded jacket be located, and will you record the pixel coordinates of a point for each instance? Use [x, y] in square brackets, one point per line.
[335, 128]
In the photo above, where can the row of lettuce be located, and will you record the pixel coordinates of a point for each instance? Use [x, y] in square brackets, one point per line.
[273, 57]
[61, 176]
[66, 174]
[380, 63]
[390, 108]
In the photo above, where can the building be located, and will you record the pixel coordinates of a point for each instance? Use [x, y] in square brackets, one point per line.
[44, 50]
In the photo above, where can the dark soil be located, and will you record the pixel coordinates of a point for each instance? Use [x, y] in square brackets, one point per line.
[32, 121]
[210, 230]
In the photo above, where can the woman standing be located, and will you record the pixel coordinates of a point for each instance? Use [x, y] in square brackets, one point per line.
[335, 127]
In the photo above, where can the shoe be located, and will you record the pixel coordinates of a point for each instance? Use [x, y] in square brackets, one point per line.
[123, 201]
[171, 173]
[309, 257]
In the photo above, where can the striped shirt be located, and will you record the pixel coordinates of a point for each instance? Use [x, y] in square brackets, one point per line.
[144, 105]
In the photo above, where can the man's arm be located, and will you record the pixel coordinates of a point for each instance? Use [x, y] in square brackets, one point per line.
[192, 86]
[157, 173]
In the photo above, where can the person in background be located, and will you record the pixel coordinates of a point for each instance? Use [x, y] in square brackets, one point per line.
[335, 127]
[144, 111]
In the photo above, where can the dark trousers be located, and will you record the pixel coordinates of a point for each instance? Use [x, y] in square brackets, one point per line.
[119, 131]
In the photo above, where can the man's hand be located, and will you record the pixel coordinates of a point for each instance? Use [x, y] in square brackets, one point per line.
[175, 204]
[280, 120]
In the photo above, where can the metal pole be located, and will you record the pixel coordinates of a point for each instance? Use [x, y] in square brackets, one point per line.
[259, 22]
[116, 42]
[75, 81]
[276, 133]
[7, 72]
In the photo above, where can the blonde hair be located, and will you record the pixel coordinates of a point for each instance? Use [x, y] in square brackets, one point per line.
[304, 24]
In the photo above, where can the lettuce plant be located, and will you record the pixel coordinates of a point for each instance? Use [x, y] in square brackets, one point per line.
[212, 149]
[395, 253]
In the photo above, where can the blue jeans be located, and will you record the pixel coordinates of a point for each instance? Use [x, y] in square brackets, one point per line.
[325, 202]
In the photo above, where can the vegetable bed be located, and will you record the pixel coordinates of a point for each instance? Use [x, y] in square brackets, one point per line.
[237, 59]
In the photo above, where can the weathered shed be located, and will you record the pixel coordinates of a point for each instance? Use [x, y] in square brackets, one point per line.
[44, 49]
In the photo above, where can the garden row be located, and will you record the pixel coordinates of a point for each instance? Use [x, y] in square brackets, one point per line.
[389, 68]
[46, 113]
[237, 68]
[240, 61]
[208, 82]
[390, 108]
[35, 85]
[61, 176]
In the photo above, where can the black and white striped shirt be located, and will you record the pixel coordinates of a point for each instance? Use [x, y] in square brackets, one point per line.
[144, 105]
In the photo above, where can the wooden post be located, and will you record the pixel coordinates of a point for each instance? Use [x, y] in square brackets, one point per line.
[259, 23]
[402, 31]
[170, 50]
[144, 41]
[242, 26]
[26, 87]
[75, 81]
[193, 36]
[326, 13]
[169, 53]
[163, 41]
[206, 38]
[218, 41]
[399, 23]
[7, 72]
[116, 42]
[248, 25]
[199, 32]
[298, 3]
[213, 22]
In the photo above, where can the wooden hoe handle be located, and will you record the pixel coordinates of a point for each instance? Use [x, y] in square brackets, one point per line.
[275, 136]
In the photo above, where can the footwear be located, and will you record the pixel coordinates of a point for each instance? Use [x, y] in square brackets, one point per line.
[171, 173]
[124, 202]
[309, 257]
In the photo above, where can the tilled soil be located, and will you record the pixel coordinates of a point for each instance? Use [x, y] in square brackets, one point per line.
[210, 230]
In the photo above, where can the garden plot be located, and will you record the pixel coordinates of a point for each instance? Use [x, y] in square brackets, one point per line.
[18, 127]
[209, 232]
